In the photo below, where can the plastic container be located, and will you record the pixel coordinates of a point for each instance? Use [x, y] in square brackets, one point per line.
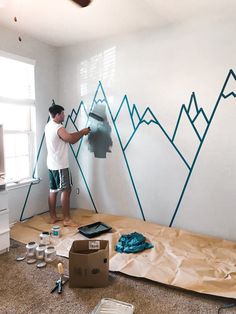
[107, 305]
[50, 254]
[40, 251]
[56, 232]
[31, 248]
[44, 237]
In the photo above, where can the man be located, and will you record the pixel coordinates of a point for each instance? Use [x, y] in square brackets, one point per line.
[57, 139]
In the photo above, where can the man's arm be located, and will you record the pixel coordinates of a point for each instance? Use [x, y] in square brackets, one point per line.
[74, 137]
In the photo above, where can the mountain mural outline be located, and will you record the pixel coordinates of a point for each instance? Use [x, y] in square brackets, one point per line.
[190, 120]
[137, 121]
[232, 75]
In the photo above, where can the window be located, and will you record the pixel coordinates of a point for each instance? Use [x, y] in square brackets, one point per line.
[17, 107]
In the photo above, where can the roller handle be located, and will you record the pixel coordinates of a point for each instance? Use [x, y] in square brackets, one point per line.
[61, 271]
[60, 268]
[59, 287]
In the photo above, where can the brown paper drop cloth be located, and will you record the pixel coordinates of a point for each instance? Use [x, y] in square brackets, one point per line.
[179, 258]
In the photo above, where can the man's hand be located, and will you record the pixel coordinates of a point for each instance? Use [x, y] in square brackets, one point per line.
[85, 131]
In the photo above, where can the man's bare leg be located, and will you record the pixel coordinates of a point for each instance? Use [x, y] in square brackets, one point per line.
[52, 199]
[65, 203]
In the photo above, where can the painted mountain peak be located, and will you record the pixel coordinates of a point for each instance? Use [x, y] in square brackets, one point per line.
[230, 85]
[100, 95]
[124, 121]
[148, 117]
[80, 111]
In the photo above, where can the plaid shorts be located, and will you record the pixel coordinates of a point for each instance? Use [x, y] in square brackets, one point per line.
[60, 179]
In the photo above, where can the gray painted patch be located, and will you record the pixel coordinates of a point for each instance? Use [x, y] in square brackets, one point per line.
[99, 139]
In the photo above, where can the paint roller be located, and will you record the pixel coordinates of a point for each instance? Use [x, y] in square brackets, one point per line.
[98, 112]
[96, 116]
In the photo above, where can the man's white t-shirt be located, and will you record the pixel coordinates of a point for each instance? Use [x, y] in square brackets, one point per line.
[57, 148]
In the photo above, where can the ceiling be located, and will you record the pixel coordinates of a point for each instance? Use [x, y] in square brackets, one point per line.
[62, 22]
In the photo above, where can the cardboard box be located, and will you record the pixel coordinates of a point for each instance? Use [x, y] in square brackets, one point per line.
[89, 263]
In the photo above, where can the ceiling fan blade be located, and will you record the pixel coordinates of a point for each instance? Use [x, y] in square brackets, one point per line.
[82, 3]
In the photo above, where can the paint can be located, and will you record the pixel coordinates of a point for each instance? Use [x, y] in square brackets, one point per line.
[56, 231]
[31, 248]
[50, 254]
[44, 237]
[40, 251]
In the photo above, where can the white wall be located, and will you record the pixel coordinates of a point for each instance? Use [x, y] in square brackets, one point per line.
[158, 69]
[158, 175]
[45, 89]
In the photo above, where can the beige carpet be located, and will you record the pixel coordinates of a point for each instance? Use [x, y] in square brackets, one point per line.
[25, 289]
[179, 258]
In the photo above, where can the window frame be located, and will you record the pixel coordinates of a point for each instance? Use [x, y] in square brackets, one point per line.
[31, 132]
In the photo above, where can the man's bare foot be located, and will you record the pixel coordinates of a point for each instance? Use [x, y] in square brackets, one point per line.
[69, 223]
[53, 220]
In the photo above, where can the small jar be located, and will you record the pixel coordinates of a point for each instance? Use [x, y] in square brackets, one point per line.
[50, 254]
[45, 237]
[40, 251]
[56, 231]
[31, 248]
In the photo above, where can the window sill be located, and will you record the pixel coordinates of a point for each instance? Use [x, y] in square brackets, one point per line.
[23, 183]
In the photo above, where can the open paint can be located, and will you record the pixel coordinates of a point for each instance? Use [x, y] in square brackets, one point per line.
[31, 248]
[44, 237]
[50, 254]
[40, 251]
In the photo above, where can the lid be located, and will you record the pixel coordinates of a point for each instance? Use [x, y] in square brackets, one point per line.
[56, 227]
[41, 264]
[31, 261]
[20, 258]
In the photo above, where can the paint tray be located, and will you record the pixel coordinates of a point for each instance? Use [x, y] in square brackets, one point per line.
[112, 306]
[94, 229]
